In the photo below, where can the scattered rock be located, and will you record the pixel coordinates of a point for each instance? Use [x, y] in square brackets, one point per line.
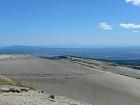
[52, 96]
[9, 88]
[4, 89]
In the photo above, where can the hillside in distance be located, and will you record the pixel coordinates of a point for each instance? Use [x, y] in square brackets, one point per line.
[122, 55]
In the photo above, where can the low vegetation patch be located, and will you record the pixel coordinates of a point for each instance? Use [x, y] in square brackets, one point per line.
[4, 81]
[21, 84]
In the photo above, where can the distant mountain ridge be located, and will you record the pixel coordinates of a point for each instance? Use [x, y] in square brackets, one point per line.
[98, 53]
[125, 56]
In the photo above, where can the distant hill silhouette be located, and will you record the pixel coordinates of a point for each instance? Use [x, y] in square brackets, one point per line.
[130, 56]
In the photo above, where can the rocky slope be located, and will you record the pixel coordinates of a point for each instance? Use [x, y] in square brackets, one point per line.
[16, 95]
[92, 81]
[34, 98]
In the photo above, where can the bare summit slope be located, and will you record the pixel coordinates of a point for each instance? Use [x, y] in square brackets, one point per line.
[92, 83]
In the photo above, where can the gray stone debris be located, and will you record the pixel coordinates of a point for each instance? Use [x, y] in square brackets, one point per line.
[13, 95]
[9, 88]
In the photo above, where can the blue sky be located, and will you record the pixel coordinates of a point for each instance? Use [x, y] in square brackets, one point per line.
[70, 22]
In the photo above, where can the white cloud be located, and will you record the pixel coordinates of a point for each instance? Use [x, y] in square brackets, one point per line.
[134, 2]
[105, 26]
[135, 31]
[130, 26]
